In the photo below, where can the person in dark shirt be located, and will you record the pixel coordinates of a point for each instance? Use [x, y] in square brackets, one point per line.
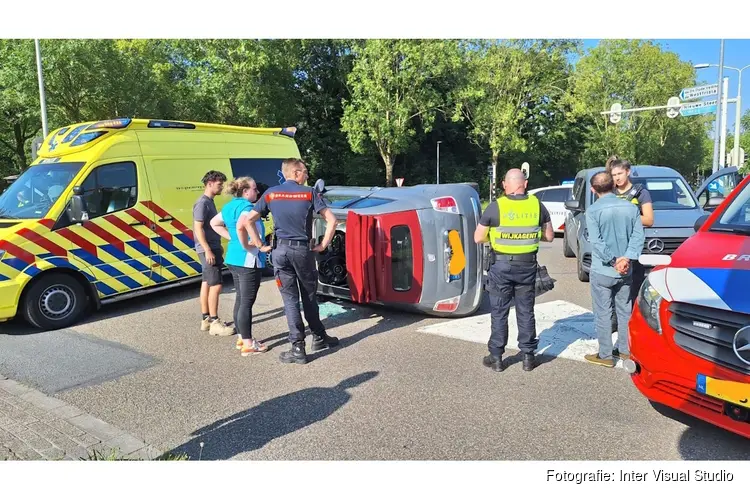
[292, 205]
[210, 253]
[641, 198]
[514, 224]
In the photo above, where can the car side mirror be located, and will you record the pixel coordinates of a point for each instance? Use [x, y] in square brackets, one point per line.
[320, 186]
[699, 223]
[573, 205]
[77, 207]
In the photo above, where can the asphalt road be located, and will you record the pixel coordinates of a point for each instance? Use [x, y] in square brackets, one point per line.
[388, 392]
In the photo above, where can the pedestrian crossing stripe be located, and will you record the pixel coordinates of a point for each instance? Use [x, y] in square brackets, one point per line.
[565, 330]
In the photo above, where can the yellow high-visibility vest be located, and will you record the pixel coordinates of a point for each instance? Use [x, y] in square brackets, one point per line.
[519, 231]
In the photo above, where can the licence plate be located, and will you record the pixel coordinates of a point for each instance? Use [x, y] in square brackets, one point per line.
[726, 390]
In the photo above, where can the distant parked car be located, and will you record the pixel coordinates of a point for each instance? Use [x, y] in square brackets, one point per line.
[715, 188]
[554, 198]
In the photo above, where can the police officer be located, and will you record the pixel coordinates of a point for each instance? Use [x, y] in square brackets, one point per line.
[292, 204]
[640, 197]
[516, 222]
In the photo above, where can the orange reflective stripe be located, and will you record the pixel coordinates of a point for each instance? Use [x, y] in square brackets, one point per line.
[294, 196]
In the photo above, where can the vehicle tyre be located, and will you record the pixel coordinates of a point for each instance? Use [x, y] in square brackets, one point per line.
[54, 301]
[567, 251]
[582, 274]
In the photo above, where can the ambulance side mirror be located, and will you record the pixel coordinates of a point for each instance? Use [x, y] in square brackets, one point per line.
[77, 207]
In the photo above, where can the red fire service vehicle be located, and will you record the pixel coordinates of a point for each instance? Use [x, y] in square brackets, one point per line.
[690, 328]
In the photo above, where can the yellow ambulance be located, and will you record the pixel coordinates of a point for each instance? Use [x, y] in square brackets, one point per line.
[105, 211]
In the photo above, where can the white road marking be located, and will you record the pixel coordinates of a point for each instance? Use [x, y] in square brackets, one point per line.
[565, 330]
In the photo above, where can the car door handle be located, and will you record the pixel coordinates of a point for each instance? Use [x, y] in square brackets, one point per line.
[137, 223]
[166, 219]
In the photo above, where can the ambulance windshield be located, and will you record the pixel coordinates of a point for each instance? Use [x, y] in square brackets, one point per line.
[36, 190]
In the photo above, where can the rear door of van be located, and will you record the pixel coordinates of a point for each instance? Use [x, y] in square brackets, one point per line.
[384, 257]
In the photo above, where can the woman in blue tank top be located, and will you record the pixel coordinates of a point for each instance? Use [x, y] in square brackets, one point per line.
[244, 265]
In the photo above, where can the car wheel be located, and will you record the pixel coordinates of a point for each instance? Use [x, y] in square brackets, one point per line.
[54, 301]
[582, 274]
[567, 251]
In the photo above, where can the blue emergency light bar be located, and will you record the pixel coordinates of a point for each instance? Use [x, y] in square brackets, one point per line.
[170, 124]
[567, 182]
[288, 131]
[87, 137]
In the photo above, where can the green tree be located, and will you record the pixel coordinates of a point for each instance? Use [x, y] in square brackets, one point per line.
[511, 94]
[745, 139]
[238, 82]
[323, 68]
[99, 79]
[394, 90]
[636, 73]
[19, 103]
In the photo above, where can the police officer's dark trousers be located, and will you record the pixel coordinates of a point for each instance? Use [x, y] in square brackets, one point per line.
[510, 280]
[294, 267]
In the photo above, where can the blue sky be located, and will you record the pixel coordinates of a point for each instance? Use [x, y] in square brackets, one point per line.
[698, 51]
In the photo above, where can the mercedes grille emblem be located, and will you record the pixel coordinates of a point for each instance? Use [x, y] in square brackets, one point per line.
[655, 246]
[741, 344]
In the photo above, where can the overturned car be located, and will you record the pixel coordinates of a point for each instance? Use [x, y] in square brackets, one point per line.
[410, 248]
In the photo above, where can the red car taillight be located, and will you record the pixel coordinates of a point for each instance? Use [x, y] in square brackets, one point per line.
[447, 305]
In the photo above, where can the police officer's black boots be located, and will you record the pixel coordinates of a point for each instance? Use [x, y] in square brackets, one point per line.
[295, 355]
[529, 362]
[493, 362]
[324, 341]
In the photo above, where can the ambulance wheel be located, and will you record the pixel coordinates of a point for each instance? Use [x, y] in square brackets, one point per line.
[567, 251]
[54, 301]
[582, 274]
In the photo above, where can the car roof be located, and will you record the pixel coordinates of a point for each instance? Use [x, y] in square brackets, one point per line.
[639, 171]
[560, 186]
[410, 196]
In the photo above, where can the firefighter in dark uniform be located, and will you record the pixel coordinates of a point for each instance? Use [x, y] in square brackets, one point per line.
[292, 204]
[516, 223]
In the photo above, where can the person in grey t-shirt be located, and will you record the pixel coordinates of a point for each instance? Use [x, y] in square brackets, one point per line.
[210, 253]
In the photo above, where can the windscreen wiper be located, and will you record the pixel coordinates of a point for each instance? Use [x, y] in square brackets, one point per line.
[745, 231]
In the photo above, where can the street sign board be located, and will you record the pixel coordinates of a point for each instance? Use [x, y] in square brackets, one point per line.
[698, 108]
[735, 160]
[698, 92]
[615, 113]
[673, 109]
[525, 169]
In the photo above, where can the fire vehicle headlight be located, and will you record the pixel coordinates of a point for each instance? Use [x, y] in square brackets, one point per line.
[649, 302]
